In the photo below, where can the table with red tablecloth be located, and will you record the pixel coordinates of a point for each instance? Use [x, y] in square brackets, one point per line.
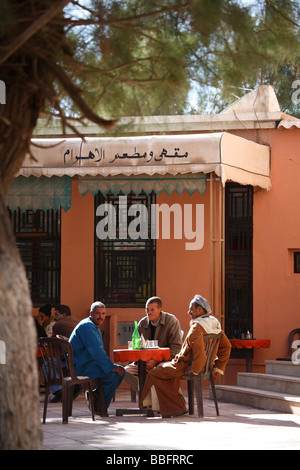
[141, 356]
[133, 355]
[249, 345]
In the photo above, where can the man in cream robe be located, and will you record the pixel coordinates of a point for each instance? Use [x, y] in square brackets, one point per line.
[166, 376]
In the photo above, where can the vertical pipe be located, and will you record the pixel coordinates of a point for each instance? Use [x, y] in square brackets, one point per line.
[212, 241]
[222, 252]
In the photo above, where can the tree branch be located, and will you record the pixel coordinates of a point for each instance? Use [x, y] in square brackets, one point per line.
[286, 17]
[32, 29]
[113, 21]
[75, 95]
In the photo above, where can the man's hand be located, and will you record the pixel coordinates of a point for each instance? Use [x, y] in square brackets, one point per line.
[215, 375]
[119, 370]
[150, 364]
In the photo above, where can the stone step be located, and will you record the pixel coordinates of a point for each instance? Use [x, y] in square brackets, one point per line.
[263, 399]
[276, 383]
[282, 368]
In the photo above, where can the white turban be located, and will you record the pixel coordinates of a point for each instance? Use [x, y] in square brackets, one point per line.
[199, 300]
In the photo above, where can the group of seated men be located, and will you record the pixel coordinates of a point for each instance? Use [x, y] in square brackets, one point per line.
[162, 385]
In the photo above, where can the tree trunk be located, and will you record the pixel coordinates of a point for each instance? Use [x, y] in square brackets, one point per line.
[20, 426]
[19, 393]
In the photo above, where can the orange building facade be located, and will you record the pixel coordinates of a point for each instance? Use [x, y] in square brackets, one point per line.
[248, 229]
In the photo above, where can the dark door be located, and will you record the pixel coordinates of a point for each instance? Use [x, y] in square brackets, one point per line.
[238, 259]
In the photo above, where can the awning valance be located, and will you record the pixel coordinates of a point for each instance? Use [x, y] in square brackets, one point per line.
[230, 157]
[40, 193]
[158, 184]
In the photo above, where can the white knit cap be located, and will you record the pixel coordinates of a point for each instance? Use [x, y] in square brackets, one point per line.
[199, 300]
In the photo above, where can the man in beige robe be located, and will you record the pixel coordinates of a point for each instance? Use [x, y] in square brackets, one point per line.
[166, 376]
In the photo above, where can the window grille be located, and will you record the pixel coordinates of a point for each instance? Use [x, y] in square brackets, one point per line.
[39, 241]
[125, 272]
[238, 259]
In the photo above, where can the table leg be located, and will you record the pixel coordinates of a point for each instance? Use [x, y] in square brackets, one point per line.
[249, 357]
[142, 377]
[142, 372]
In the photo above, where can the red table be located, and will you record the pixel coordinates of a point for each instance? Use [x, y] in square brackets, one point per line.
[141, 356]
[133, 355]
[249, 345]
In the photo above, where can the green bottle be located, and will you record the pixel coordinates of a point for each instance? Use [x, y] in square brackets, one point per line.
[136, 337]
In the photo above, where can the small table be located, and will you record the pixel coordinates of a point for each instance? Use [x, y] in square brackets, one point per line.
[249, 345]
[141, 356]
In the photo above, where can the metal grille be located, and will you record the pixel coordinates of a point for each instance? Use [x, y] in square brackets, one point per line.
[125, 268]
[38, 239]
[238, 259]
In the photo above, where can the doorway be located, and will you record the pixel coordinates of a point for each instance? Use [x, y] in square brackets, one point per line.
[238, 259]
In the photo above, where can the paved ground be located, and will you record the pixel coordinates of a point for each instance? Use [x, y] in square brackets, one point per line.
[237, 428]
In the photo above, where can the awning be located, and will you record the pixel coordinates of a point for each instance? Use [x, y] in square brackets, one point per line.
[230, 157]
[158, 184]
[289, 124]
[40, 193]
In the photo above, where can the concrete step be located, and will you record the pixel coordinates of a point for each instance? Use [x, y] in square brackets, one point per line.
[263, 399]
[283, 368]
[278, 389]
[275, 383]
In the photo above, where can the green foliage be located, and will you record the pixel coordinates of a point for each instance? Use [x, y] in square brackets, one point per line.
[135, 61]
[141, 57]
[260, 47]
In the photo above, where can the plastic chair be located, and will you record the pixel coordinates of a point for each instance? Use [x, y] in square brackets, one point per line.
[58, 369]
[294, 332]
[195, 381]
[65, 338]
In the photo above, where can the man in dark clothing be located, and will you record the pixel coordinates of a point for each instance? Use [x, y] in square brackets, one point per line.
[64, 321]
[64, 325]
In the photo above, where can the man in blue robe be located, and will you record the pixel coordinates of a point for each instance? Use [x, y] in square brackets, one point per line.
[90, 358]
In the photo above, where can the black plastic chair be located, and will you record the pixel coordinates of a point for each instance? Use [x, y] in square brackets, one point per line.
[58, 368]
[195, 381]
